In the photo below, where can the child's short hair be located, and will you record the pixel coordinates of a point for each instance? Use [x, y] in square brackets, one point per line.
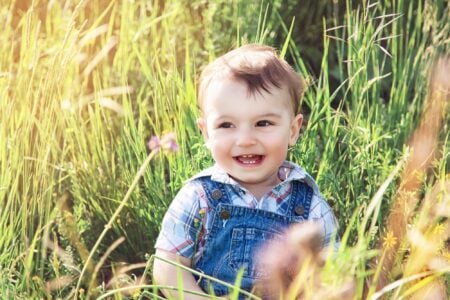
[259, 67]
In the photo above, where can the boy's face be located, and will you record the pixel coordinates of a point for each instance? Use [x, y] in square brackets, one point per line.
[249, 135]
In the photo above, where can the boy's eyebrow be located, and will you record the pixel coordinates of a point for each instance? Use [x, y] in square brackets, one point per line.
[268, 115]
[273, 115]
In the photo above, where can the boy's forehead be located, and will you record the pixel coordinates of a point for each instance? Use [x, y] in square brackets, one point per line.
[220, 90]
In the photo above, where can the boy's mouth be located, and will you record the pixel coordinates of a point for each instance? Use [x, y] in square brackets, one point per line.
[249, 159]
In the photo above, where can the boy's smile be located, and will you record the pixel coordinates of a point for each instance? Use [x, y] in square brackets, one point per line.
[249, 135]
[249, 159]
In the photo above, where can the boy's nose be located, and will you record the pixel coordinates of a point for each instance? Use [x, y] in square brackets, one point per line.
[245, 138]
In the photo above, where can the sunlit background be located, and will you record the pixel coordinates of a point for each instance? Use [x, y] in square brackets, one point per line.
[84, 85]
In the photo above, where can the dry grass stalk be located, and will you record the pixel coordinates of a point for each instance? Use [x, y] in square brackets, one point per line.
[423, 150]
[71, 232]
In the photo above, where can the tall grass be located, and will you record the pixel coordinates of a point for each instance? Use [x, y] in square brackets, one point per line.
[83, 86]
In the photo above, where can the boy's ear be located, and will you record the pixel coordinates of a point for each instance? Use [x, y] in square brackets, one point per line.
[296, 124]
[201, 123]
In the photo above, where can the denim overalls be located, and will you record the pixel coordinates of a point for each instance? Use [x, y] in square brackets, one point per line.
[237, 232]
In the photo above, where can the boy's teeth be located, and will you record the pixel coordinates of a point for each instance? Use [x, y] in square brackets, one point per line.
[249, 159]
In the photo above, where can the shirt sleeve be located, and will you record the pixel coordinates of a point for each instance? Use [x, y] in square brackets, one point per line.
[322, 213]
[180, 226]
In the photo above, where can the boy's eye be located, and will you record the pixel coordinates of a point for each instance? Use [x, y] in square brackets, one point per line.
[225, 125]
[264, 123]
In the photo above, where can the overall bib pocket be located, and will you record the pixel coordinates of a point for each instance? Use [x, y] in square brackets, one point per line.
[245, 242]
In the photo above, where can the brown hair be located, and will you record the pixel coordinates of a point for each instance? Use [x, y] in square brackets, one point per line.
[259, 67]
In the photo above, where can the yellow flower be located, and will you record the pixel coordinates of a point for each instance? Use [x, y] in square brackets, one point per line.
[446, 255]
[439, 229]
[136, 294]
[389, 240]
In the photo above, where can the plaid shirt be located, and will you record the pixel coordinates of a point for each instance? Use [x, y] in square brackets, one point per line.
[183, 227]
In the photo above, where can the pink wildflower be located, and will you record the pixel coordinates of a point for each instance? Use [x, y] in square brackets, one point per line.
[167, 142]
[154, 143]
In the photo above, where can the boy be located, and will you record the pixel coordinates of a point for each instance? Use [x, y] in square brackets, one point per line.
[249, 100]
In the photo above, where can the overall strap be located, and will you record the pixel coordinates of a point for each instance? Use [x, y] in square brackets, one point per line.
[300, 202]
[215, 192]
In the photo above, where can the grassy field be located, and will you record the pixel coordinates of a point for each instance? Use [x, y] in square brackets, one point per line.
[84, 85]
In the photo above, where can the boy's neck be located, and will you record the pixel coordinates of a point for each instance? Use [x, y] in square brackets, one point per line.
[259, 190]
